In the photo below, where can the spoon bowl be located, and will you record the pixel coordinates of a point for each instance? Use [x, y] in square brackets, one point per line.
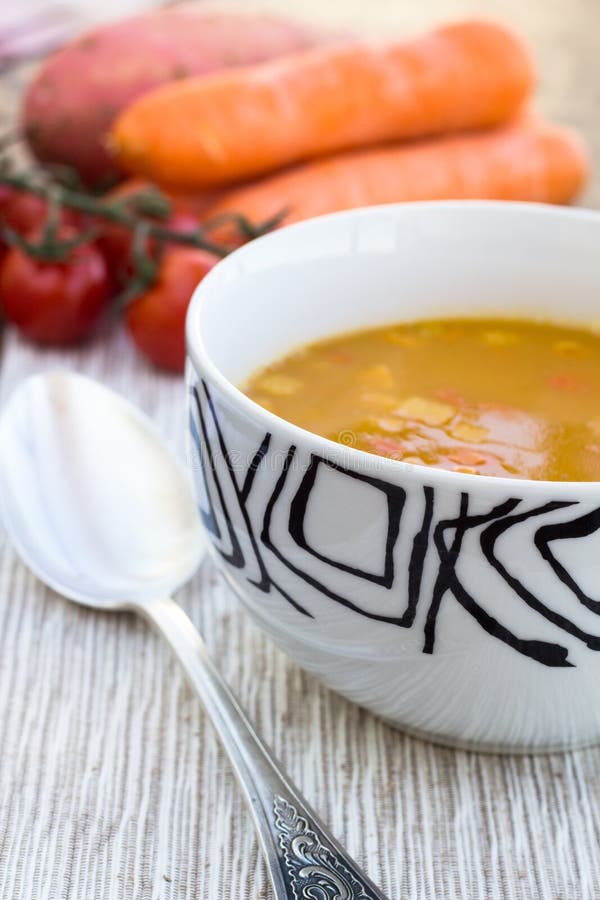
[94, 501]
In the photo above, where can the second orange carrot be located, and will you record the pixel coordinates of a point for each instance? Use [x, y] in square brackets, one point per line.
[527, 160]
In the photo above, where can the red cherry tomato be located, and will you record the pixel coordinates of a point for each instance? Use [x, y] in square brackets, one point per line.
[55, 303]
[6, 192]
[6, 195]
[156, 320]
[115, 242]
[26, 213]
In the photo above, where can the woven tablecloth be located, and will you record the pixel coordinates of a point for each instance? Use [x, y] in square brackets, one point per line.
[112, 785]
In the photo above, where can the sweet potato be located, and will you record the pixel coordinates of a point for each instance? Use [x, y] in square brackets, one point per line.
[79, 91]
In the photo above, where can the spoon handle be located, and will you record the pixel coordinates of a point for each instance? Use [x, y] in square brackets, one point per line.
[303, 859]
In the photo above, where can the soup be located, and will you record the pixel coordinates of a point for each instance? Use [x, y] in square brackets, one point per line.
[518, 399]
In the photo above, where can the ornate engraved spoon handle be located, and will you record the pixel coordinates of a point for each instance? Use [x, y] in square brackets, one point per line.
[305, 862]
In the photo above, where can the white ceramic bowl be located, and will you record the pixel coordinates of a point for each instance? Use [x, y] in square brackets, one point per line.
[460, 607]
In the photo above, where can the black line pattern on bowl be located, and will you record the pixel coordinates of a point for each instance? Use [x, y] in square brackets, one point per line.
[445, 535]
[235, 556]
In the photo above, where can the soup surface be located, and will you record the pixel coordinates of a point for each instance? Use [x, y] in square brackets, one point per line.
[512, 398]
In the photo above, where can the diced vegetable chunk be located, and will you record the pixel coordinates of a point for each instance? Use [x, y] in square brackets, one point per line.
[433, 412]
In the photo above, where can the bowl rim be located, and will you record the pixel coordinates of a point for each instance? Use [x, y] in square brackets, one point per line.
[333, 450]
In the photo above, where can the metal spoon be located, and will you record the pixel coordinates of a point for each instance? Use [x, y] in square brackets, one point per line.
[99, 509]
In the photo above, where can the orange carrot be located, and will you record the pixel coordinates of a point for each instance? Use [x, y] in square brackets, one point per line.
[237, 124]
[521, 161]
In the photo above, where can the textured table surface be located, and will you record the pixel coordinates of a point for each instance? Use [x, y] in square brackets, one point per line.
[112, 786]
